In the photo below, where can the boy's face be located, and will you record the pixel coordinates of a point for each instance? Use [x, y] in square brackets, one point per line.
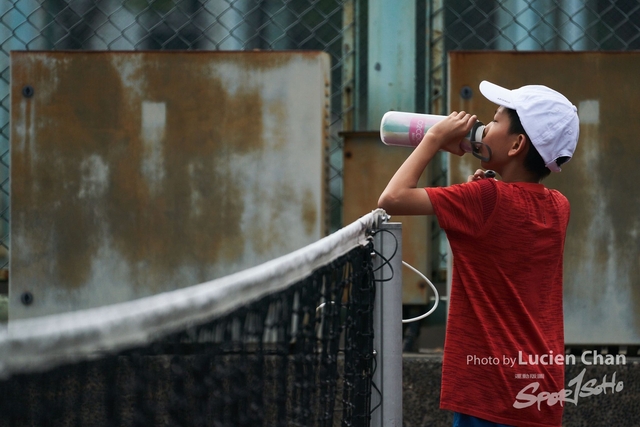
[499, 139]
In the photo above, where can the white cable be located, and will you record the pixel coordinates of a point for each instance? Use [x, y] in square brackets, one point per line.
[435, 291]
[413, 319]
[323, 304]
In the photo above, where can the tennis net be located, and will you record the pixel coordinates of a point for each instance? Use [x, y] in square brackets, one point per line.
[286, 343]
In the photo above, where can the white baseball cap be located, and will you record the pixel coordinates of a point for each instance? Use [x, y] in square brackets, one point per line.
[549, 118]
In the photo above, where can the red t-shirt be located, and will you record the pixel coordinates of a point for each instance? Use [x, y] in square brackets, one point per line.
[505, 306]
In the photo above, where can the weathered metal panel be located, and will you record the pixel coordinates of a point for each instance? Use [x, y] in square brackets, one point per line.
[134, 173]
[368, 166]
[602, 251]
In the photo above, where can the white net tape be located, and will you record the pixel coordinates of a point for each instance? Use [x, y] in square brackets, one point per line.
[41, 343]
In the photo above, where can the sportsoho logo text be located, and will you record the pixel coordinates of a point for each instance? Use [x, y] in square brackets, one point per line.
[577, 387]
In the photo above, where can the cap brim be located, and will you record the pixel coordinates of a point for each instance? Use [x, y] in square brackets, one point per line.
[497, 94]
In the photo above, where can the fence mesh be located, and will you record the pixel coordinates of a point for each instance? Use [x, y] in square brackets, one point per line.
[525, 25]
[306, 24]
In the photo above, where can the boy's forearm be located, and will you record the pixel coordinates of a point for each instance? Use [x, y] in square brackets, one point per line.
[409, 173]
[401, 196]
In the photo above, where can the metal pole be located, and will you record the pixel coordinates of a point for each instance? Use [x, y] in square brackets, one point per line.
[348, 65]
[387, 327]
[573, 32]
[521, 25]
[391, 57]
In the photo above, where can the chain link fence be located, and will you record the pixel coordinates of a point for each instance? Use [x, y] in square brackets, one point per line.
[334, 26]
[524, 25]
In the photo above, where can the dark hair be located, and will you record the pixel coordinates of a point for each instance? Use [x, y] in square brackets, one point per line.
[533, 161]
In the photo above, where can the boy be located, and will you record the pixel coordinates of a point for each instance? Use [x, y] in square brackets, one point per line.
[505, 325]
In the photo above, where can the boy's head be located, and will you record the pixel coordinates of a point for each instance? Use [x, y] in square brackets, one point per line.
[533, 162]
[548, 120]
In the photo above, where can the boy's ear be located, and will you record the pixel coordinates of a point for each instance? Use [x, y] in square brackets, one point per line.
[519, 145]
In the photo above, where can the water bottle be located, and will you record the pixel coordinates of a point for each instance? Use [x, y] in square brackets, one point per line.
[408, 129]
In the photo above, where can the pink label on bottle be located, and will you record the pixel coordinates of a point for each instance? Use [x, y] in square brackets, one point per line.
[416, 130]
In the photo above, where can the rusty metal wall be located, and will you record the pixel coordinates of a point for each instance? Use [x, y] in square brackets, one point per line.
[139, 172]
[202, 25]
[368, 165]
[602, 251]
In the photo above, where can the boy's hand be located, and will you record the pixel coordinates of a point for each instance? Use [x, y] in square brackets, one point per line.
[448, 133]
[481, 174]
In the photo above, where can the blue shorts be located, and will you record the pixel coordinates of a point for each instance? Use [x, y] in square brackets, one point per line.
[463, 420]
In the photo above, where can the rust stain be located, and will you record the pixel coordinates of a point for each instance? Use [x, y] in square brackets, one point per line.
[263, 237]
[206, 129]
[151, 169]
[157, 233]
[309, 211]
[84, 122]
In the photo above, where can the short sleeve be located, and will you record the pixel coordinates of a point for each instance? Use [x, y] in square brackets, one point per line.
[464, 208]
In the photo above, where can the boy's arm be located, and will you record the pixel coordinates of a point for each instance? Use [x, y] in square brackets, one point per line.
[401, 197]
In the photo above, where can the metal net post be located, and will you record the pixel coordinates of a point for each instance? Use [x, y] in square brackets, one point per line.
[387, 320]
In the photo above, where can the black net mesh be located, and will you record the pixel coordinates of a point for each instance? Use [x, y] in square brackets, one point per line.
[299, 357]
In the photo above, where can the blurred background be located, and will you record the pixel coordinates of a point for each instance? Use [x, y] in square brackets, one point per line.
[384, 55]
